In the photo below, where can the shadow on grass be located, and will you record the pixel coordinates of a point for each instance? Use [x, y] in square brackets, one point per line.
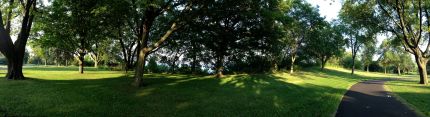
[62, 68]
[180, 95]
[419, 101]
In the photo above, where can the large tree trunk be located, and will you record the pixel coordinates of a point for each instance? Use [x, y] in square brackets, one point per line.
[422, 64]
[14, 70]
[140, 68]
[81, 63]
[293, 58]
[14, 52]
[219, 66]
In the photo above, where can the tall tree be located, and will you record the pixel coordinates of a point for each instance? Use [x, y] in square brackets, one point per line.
[409, 20]
[75, 27]
[14, 51]
[305, 19]
[367, 54]
[325, 42]
[359, 24]
[168, 16]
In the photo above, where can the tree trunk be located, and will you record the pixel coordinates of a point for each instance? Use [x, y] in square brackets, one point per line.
[123, 49]
[138, 79]
[274, 67]
[14, 71]
[323, 62]
[219, 66]
[353, 64]
[398, 71]
[422, 64]
[46, 62]
[14, 52]
[367, 68]
[81, 63]
[293, 58]
[194, 64]
[385, 70]
[96, 64]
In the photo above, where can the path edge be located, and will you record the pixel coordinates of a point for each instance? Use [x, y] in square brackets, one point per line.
[403, 101]
[337, 108]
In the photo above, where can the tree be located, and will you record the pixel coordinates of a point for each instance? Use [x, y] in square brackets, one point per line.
[367, 55]
[74, 27]
[305, 20]
[158, 13]
[326, 42]
[386, 55]
[359, 25]
[15, 51]
[409, 21]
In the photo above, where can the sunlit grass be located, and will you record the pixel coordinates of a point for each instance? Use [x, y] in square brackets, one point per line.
[59, 91]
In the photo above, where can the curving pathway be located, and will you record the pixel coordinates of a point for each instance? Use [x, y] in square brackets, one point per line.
[370, 99]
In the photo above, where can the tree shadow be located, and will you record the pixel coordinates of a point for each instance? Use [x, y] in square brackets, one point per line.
[62, 68]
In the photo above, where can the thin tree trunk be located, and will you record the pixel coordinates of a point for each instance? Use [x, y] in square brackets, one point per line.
[385, 70]
[124, 53]
[194, 64]
[293, 58]
[353, 64]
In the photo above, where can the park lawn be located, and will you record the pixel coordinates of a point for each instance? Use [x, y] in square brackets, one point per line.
[416, 95]
[60, 91]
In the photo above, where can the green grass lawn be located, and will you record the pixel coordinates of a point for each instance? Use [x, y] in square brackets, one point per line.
[59, 91]
[418, 96]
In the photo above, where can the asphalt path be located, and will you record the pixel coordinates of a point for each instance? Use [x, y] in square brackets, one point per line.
[370, 99]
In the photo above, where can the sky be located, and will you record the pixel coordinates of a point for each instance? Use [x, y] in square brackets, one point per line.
[327, 8]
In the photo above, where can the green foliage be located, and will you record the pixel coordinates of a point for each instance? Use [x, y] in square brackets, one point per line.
[347, 62]
[367, 54]
[394, 55]
[153, 66]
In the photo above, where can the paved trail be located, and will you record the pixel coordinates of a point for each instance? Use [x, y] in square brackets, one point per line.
[370, 99]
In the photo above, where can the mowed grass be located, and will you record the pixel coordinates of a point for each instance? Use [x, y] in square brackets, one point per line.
[61, 91]
[416, 95]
